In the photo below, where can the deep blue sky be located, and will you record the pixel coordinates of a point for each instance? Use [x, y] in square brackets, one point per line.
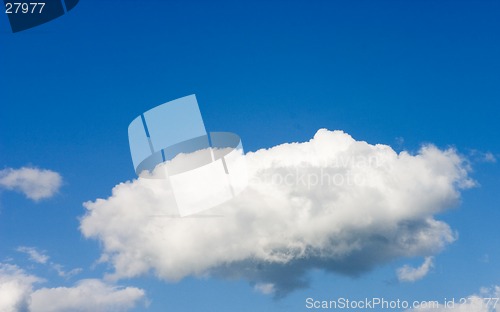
[271, 71]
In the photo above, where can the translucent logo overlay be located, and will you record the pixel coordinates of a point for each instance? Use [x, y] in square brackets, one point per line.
[28, 14]
[203, 169]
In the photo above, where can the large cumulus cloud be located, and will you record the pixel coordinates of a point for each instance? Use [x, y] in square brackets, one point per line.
[332, 203]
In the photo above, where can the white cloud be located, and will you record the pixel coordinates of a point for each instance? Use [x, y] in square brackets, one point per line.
[485, 301]
[332, 203]
[88, 295]
[42, 258]
[479, 156]
[15, 288]
[34, 254]
[489, 157]
[265, 288]
[62, 273]
[410, 274]
[17, 294]
[35, 183]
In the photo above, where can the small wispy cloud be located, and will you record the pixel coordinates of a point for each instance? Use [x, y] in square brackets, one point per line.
[484, 157]
[34, 183]
[489, 157]
[411, 274]
[41, 257]
[66, 274]
[265, 288]
[34, 254]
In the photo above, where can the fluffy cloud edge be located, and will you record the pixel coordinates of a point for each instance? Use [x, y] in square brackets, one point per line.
[36, 184]
[18, 293]
[87, 295]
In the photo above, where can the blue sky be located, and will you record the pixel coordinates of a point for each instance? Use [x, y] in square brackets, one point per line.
[400, 73]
